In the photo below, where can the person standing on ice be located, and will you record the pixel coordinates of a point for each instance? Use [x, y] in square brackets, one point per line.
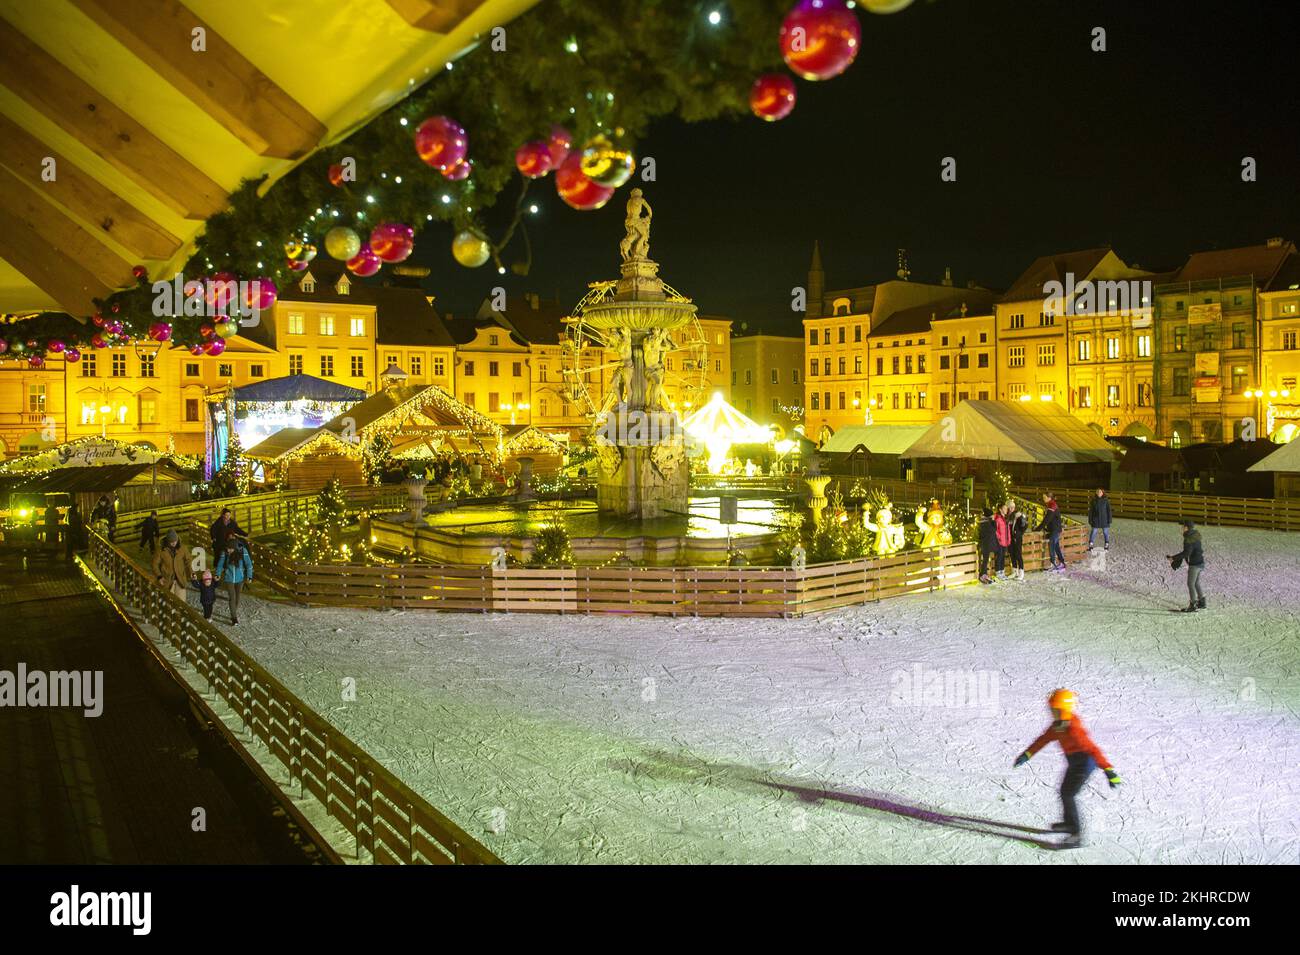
[988, 544]
[1019, 524]
[1081, 757]
[1194, 556]
[1002, 530]
[1051, 523]
[1099, 518]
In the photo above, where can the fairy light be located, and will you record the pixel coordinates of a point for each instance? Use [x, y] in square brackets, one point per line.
[403, 121]
[533, 208]
[714, 18]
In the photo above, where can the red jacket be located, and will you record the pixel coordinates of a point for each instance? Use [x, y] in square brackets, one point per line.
[1003, 529]
[1073, 739]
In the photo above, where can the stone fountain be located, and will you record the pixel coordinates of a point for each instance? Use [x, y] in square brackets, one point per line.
[642, 470]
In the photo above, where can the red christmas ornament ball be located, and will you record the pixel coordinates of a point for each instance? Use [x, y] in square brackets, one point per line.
[55, 345]
[577, 189]
[392, 241]
[441, 142]
[336, 174]
[364, 262]
[820, 38]
[459, 171]
[560, 143]
[533, 159]
[772, 96]
[72, 354]
[140, 272]
[214, 346]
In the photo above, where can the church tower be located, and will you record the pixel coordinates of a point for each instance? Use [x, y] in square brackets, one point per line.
[816, 283]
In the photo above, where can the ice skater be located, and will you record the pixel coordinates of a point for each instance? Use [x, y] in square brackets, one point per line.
[1081, 757]
[1193, 555]
[1099, 518]
[1052, 524]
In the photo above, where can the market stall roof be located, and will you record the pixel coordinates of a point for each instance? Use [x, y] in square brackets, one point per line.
[148, 145]
[414, 408]
[87, 479]
[876, 438]
[1036, 432]
[526, 437]
[298, 387]
[289, 440]
[1142, 458]
[719, 418]
[1285, 458]
[89, 451]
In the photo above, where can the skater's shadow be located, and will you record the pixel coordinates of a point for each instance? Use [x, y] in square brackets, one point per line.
[664, 766]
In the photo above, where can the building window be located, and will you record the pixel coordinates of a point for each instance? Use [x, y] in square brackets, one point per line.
[295, 325]
[494, 402]
[494, 340]
[1016, 356]
[1046, 388]
[816, 402]
[945, 362]
[1208, 342]
[1180, 382]
[357, 326]
[982, 360]
[147, 366]
[327, 324]
[776, 377]
[907, 401]
[225, 370]
[439, 367]
[1239, 335]
[717, 365]
[1085, 349]
[841, 334]
[358, 366]
[841, 401]
[776, 406]
[1046, 355]
[920, 364]
[1112, 347]
[88, 366]
[118, 369]
[857, 365]
[907, 365]
[857, 333]
[494, 369]
[36, 399]
[295, 364]
[880, 366]
[1144, 346]
[943, 401]
[1289, 341]
[1016, 390]
[1112, 396]
[895, 364]
[826, 366]
[256, 371]
[984, 396]
[191, 369]
[841, 366]
[468, 398]
[1180, 337]
[1046, 319]
[812, 368]
[327, 366]
[812, 336]
[794, 376]
[733, 378]
[1238, 379]
[963, 361]
[1018, 321]
[984, 337]
[1179, 306]
[148, 411]
[895, 400]
[1085, 396]
[517, 369]
[191, 409]
[417, 365]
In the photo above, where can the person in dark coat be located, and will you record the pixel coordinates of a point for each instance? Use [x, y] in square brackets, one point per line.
[106, 512]
[1019, 524]
[1193, 555]
[1099, 518]
[988, 544]
[1051, 524]
[51, 526]
[149, 532]
[223, 528]
[75, 537]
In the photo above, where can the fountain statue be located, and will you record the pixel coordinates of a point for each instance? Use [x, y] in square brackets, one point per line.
[640, 442]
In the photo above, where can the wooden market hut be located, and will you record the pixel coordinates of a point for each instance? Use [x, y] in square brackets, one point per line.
[1284, 464]
[529, 441]
[1036, 442]
[869, 450]
[420, 414]
[305, 459]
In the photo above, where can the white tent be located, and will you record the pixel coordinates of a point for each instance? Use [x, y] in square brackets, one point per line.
[876, 438]
[1033, 432]
[1285, 458]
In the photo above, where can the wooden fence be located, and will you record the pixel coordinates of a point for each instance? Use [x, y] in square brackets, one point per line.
[1265, 513]
[388, 819]
[657, 591]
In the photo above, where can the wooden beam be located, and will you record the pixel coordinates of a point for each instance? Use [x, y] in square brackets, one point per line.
[43, 218]
[436, 16]
[24, 155]
[63, 279]
[85, 113]
[220, 80]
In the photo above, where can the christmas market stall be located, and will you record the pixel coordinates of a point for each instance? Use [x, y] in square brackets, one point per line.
[870, 450]
[1036, 442]
[1284, 463]
[545, 450]
[304, 459]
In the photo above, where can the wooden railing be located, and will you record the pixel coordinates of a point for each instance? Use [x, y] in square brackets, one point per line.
[656, 591]
[388, 819]
[1265, 513]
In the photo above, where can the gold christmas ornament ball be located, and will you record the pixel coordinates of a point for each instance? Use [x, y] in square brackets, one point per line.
[342, 243]
[470, 249]
[606, 163]
[886, 6]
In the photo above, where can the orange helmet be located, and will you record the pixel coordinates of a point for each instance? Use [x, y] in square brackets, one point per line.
[1063, 703]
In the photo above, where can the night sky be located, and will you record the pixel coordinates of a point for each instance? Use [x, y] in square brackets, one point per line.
[1057, 147]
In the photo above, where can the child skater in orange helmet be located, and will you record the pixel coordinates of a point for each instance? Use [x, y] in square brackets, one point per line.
[1081, 756]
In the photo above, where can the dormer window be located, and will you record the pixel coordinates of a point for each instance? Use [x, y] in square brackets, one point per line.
[343, 286]
[308, 283]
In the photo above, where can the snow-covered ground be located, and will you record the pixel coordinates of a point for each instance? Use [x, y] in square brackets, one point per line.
[604, 739]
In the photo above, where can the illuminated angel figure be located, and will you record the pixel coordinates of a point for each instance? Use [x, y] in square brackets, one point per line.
[931, 524]
[889, 536]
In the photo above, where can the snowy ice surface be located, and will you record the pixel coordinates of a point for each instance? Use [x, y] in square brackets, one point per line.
[611, 739]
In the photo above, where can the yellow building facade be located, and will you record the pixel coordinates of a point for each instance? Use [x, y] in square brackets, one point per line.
[767, 378]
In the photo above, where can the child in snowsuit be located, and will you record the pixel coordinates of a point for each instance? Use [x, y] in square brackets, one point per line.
[207, 588]
[1081, 757]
